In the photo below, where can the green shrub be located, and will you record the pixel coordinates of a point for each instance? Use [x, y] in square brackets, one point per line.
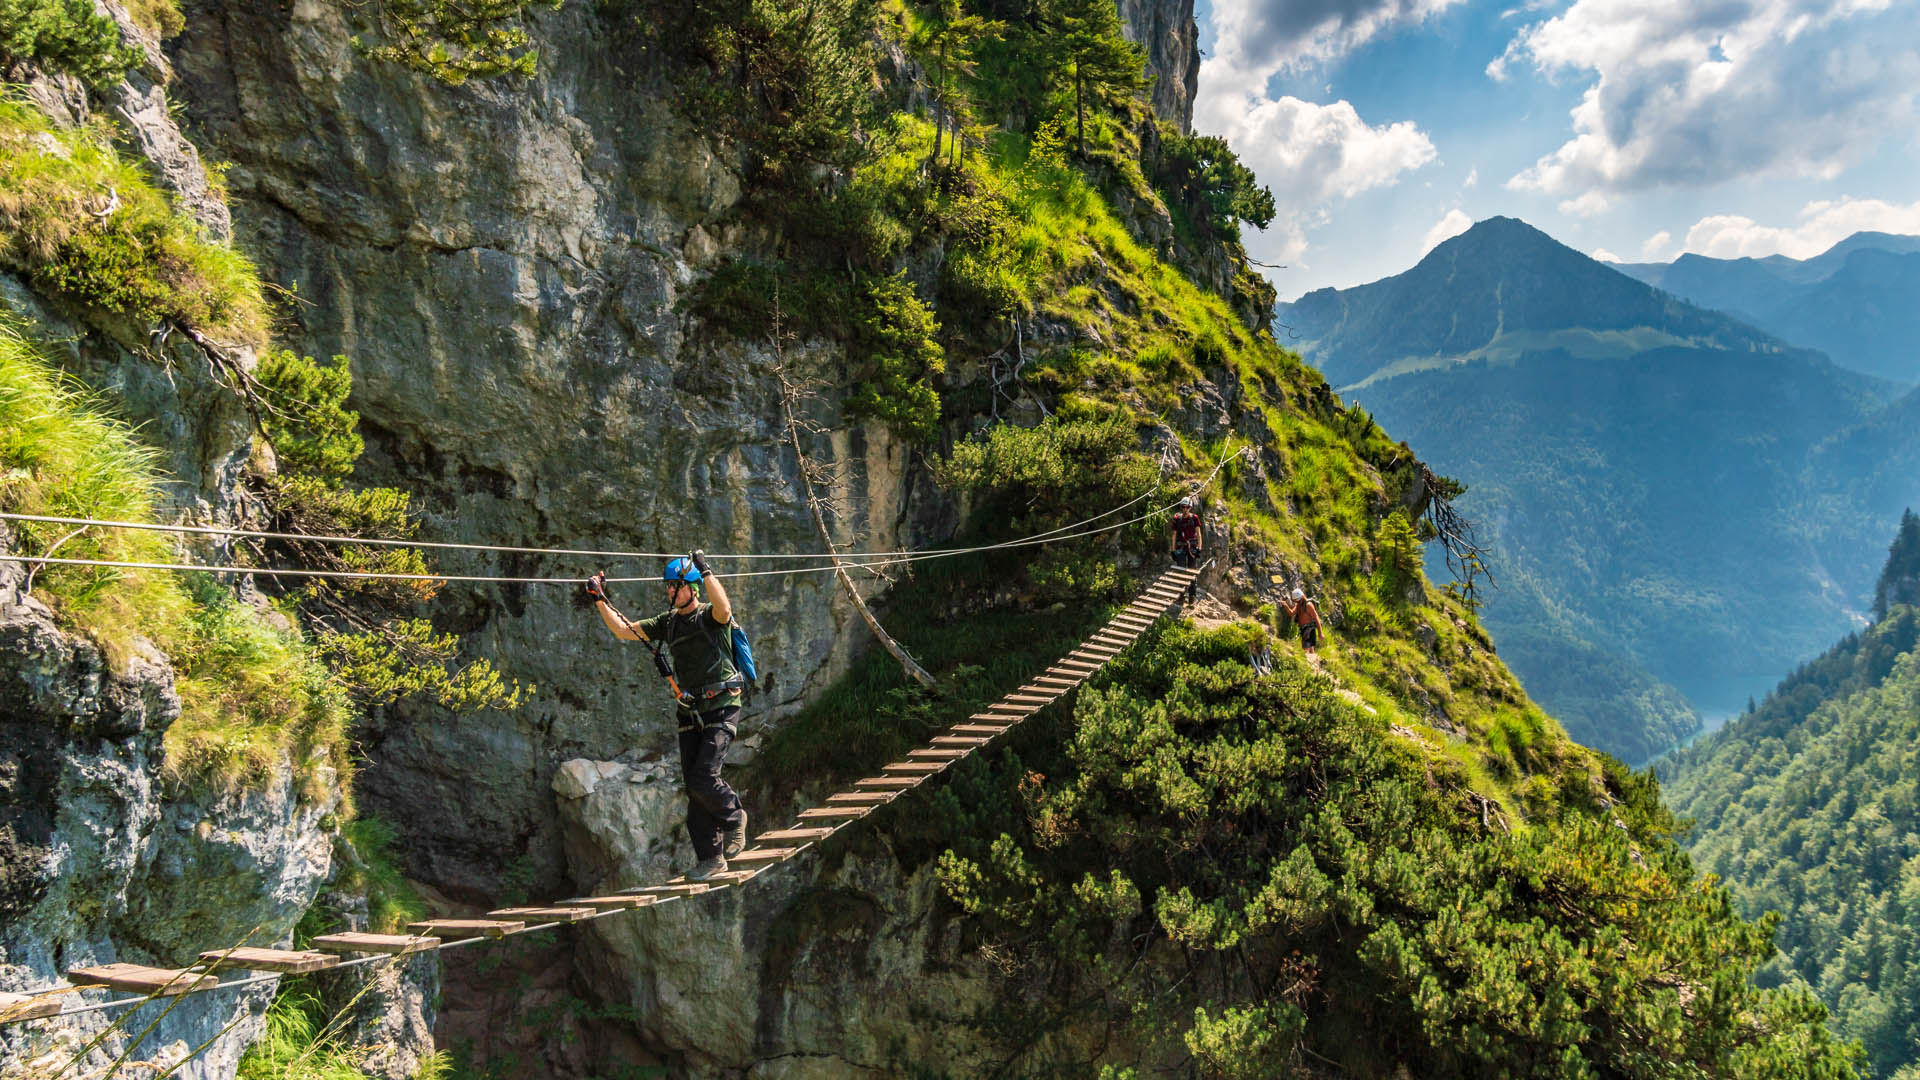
[898, 355]
[65, 35]
[456, 41]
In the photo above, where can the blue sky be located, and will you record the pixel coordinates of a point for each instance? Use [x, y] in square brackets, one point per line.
[1629, 129]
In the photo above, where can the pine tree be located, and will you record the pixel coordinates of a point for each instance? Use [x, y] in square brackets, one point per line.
[1094, 58]
[951, 40]
[1900, 579]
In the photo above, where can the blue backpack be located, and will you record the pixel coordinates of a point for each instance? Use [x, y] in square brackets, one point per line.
[743, 655]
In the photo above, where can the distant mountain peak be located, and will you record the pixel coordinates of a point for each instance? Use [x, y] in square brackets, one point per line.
[1499, 290]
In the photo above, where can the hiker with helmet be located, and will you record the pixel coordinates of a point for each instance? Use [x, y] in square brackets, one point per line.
[707, 687]
[1184, 545]
[1306, 616]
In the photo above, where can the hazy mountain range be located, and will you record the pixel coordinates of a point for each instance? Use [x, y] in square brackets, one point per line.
[1681, 505]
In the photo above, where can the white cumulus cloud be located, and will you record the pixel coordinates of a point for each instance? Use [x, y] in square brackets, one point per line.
[1603, 255]
[1822, 225]
[1445, 229]
[1657, 248]
[1310, 154]
[1696, 93]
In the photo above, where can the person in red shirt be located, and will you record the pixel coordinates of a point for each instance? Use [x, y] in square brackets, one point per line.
[1306, 616]
[1184, 545]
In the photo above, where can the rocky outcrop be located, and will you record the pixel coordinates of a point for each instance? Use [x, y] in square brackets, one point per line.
[98, 866]
[1166, 30]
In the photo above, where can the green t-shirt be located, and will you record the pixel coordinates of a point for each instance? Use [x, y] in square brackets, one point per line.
[702, 652]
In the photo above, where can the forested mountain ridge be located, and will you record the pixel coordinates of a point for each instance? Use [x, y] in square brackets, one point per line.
[1807, 805]
[635, 277]
[1656, 481]
[1854, 301]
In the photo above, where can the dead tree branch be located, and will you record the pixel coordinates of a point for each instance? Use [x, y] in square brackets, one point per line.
[810, 471]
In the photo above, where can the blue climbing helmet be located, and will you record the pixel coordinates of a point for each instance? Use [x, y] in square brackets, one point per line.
[681, 569]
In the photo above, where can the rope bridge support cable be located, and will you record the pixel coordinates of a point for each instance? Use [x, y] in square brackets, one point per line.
[768, 850]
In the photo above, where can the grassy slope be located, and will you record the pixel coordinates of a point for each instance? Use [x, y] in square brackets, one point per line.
[251, 696]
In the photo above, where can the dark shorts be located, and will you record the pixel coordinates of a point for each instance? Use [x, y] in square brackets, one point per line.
[1310, 634]
[1186, 555]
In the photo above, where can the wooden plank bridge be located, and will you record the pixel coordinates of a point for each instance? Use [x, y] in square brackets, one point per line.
[769, 849]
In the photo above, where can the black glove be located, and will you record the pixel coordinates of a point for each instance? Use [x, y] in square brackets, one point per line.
[596, 586]
[699, 559]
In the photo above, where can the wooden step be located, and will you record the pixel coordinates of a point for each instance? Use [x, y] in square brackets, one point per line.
[732, 877]
[611, 903]
[888, 783]
[959, 740]
[389, 944]
[861, 798]
[140, 979]
[28, 1006]
[544, 914]
[764, 855]
[779, 836]
[1111, 637]
[914, 767]
[677, 887]
[981, 729]
[281, 960]
[466, 928]
[1006, 714]
[1077, 670]
[1035, 700]
[1061, 681]
[937, 755]
[829, 813]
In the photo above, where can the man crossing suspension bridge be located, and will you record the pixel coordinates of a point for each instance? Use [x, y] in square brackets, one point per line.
[706, 684]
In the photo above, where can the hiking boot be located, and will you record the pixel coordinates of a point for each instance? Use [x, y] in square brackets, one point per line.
[708, 868]
[736, 837]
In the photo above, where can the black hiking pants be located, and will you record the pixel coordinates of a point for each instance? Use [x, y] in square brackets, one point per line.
[712, 805]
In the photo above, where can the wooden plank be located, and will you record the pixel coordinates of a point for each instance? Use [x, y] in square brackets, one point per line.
[543, 914]
[766, 855]
[914, 767]
[28, 1006]
[732, 877]
[1060, 681]
[783, 835]
[1035, 700]
[466, 928]
[678, 887]
[888, 783]
[828, 813]
[281, 960]
[927, 754]
[390, 944]
[960, 740]
[1006, 714]
[981, 729]
[599, 903]
[1130, 624]
[1074, 669]
[141, 979]
[861, 798]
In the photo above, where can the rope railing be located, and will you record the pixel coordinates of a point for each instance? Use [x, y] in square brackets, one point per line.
[1092, 653]
[856, 560]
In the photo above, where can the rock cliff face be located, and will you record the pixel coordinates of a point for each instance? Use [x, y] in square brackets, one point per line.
[1165, 28]
[507, 265]
[98, 865]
